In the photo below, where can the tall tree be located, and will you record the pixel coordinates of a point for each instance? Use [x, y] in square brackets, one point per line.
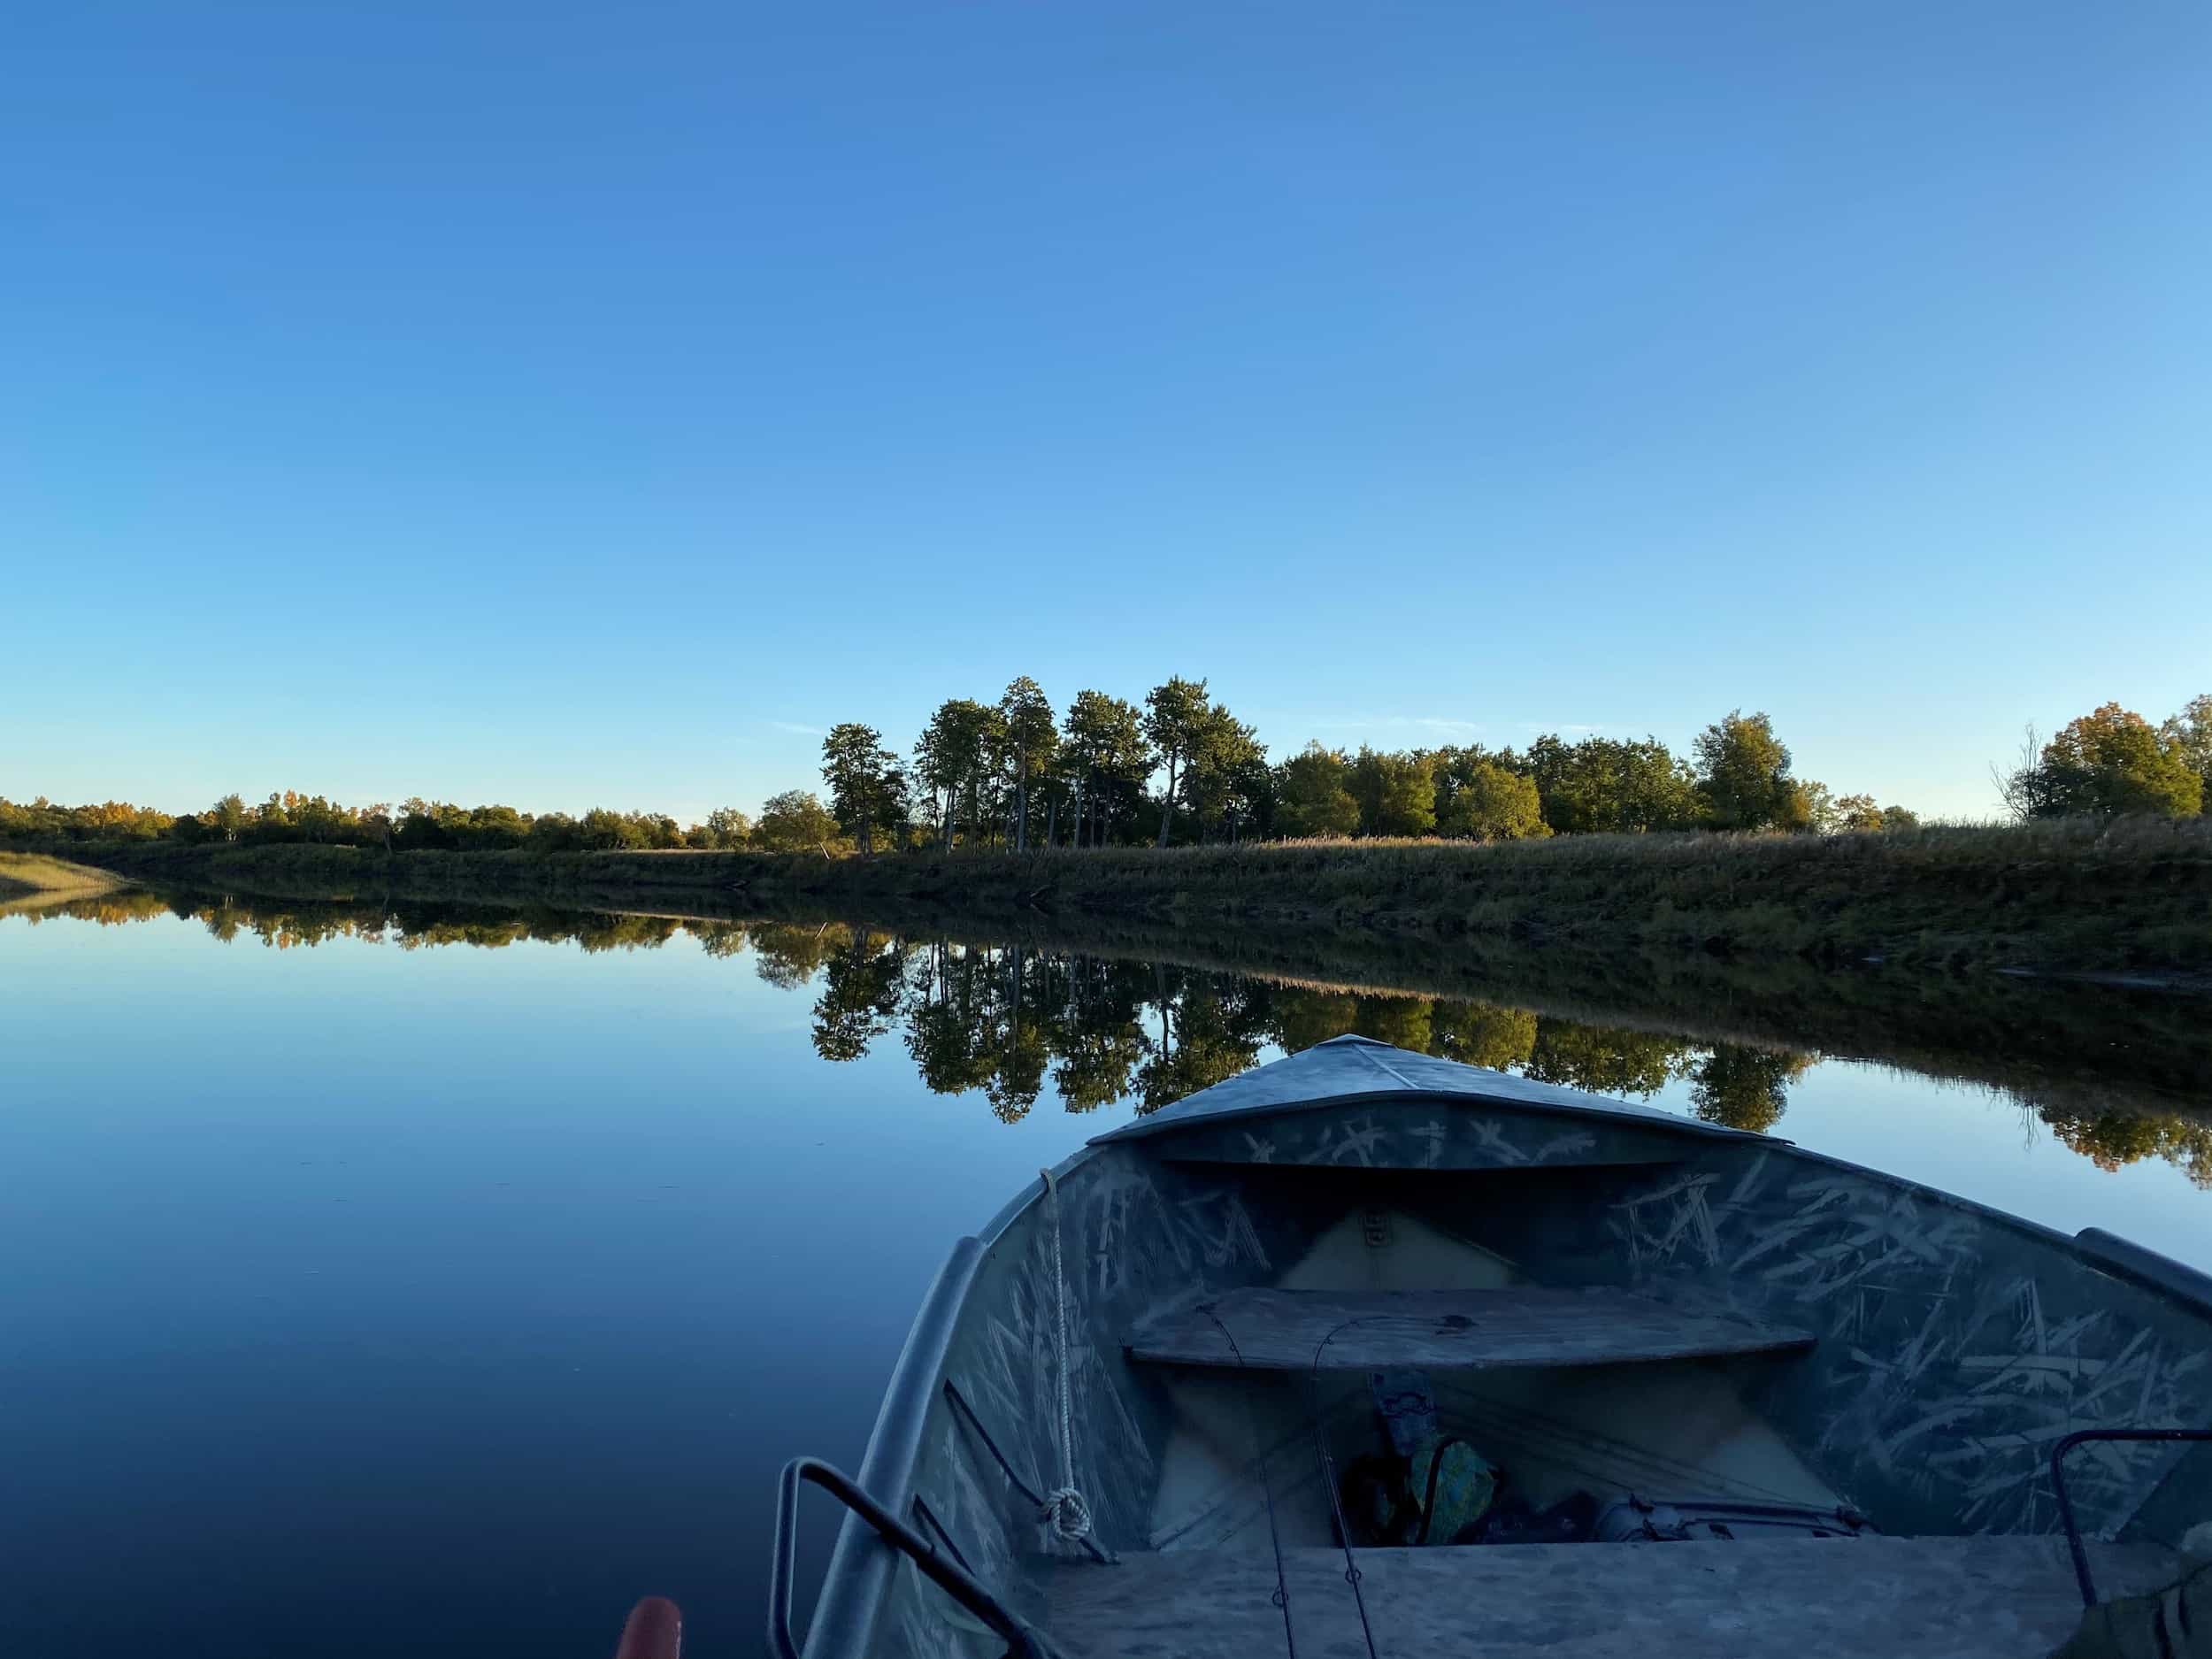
[1743, 771]
[1310, 796]
[1030, 738]
[227, 817]
[2109, 762]
[1106, 758]
[1175, 721]
[954, 752]
[867, 789]
[1225, 780]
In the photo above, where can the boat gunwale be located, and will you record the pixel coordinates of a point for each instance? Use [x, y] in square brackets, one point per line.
[1507, 1092]
[1601, 1107]
[859, 1575]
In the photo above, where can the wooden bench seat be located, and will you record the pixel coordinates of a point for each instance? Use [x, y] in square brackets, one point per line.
[1522, 1325]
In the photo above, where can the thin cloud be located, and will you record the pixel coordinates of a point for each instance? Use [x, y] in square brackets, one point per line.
[1437, 723]
[1406, 722]
[793, 726]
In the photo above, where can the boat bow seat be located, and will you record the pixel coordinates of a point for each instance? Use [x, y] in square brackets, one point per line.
[1521, 1325]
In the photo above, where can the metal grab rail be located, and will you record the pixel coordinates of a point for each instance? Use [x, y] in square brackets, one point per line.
[2066, 1503]
[954, 1580]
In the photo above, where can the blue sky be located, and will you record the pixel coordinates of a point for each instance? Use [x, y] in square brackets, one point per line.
[566, 405]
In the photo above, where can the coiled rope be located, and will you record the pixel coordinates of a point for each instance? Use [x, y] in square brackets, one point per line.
[1064, 1506]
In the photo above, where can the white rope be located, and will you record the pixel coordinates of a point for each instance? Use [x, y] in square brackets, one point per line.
[1064, 1506]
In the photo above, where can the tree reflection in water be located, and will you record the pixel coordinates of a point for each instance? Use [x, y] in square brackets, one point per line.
[1002, 1020]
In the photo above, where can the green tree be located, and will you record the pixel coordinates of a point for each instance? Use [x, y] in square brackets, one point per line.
[1491, 803]
[270, 822]
[1310, 798]
[1899, 817]
[2189, 735]
[1175, 722]
[794, 821]
[1225, 779]
[602, 831]
[1812, 807]
[1857, 813]
[953, 753]
[1106, 759]
[1396, 793]
[2110, 761]
[492, 828]
[728, 828]
[867, 789]
[227, 818]
[1030, 736]
[1604, 786]
[1743, 772]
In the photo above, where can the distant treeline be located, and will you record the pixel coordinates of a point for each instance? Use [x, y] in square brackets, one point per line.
[1182, 769]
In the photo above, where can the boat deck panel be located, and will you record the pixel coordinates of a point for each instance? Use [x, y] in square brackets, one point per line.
[1519, 1327]
[1900, 1598]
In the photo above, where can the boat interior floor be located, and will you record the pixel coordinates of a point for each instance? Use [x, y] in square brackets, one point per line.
[1836, 1598]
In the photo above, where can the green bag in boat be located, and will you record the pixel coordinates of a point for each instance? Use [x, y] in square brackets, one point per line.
[1452, 1486]
[1432, 1497]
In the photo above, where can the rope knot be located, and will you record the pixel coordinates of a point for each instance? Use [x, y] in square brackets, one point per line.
[1065, 1509]
[1070, 1516]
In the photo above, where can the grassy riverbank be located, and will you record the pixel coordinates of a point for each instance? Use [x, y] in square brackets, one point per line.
[2127, 897]
[34, 878]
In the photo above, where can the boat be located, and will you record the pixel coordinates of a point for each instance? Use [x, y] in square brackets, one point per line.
[1229, 1380]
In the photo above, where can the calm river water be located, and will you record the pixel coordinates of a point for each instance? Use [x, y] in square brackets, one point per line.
[365, 1288]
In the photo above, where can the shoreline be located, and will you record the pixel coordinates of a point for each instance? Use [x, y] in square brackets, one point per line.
[2087, 1049]
[31, 879]
[2127, 902]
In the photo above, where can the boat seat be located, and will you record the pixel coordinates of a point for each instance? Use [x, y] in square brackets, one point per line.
[1897, 1598]
[1522, 1325]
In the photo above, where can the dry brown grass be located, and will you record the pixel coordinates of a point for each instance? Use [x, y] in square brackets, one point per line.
[29, 880]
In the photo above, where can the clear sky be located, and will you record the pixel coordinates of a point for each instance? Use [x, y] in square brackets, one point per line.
[572, 404]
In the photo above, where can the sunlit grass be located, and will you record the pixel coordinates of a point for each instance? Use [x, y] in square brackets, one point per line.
[32, 879]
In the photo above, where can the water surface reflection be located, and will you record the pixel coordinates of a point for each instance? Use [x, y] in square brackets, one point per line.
[1010, 1019]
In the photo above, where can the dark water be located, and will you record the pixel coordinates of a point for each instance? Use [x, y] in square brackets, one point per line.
[365, 1288]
